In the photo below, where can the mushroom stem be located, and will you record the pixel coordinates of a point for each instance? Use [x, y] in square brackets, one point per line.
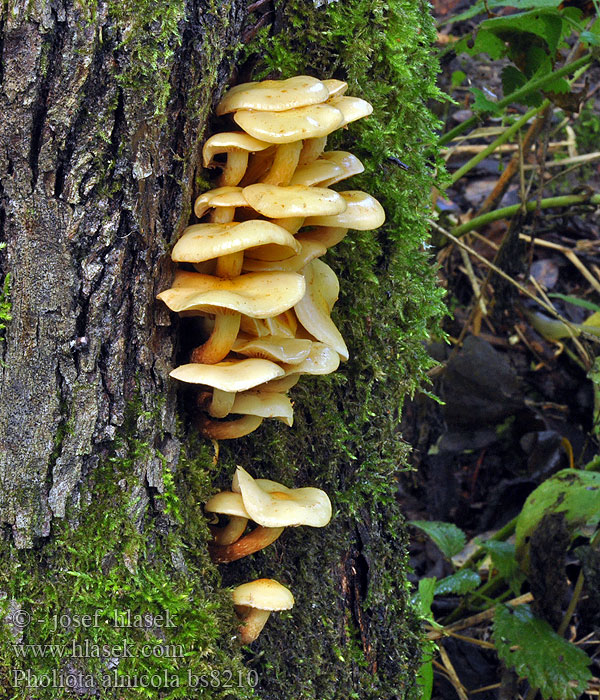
[228, 430]
[254, 541]
[284, 164]
[312, 149]
[259, 164]
[230, 266]
[221, 403]
[234, 168]
[231, 532]
[222, 338]
[252, 624]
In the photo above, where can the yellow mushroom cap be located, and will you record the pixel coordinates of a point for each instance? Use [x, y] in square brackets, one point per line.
[219, 197]
[265, 405]
[294, 124]
[311, 249]
[207, 241]
[313, 310]
[348, 163]
[238, 375]
[226, 503]
[274, 201]
[335, 87]
[263, 594]
[228, 142]
[277, 349]
[316, 172]
[352, 108]
[256, 294]
[274, 95]
[284, 507]
[364, 213]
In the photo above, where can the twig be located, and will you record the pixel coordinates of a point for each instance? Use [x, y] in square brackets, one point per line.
[549, 308]
[474, 620]
[567, 200]
[458, 686]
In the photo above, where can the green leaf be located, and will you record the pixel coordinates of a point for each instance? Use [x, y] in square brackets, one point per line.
[504, 560]
[576, 301]
[512, 79]
[424, 597]
[449, 538]
[528, 644]
[574, 492]
[482, 104]
[547, 24]
[488, 42]
[460, 583]
[425, 673]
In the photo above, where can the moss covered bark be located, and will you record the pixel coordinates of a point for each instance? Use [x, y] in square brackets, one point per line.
[102, 508]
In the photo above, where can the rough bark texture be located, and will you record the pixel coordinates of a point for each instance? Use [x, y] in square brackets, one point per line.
[105, 106]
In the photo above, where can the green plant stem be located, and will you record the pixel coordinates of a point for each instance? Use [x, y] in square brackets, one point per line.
[566, 200]
[503, 138]
[518, 94]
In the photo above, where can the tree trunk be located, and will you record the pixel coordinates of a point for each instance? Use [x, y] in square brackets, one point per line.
[105, 107]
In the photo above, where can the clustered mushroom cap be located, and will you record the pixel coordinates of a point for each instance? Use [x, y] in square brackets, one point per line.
[227, 142]
[311, 249]
[265, 405]
[335, 87]
[313, 310]
[263, 594]
[274, 201]
[207, 241]
[363, 213]
[275, 348]
[256, 294]
[283, 507]
[238, 375]
[274, 95]
[228, 196]
[352, 108]
[293, 125]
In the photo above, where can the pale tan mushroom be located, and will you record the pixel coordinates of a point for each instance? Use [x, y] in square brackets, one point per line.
[230, 504]
[292, 125]
[274, 95]
[256, 294]
[313, 310]
[352, 108]
[275, 348]
[255, 601]
[321, 360]
[311, 249]
[335, 87]
[237, 145]
[363, 213]
[293, 201]
[279, 506]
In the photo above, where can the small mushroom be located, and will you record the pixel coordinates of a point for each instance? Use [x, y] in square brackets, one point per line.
[280, 506]
[311, 249]
[363, 213]
[230, 504]
[237, 146]
[255, 601]
[275, 348]
[297, 124]
[293, 201]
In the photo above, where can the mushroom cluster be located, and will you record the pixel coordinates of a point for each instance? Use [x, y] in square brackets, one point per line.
[271, 507]
[252, 269]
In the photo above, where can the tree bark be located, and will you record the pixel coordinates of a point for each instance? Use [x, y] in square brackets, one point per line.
[105, 107]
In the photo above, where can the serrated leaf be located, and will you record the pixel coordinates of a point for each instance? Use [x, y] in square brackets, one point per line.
[504, 560]
[574, 492]
[459, 583]
[547, 24]
[512, 79]
[529, 645]
[449, 538]
[481, 103]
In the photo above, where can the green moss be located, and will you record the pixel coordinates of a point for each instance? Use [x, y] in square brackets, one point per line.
[5, 303]
[99, 565]
[150, 35]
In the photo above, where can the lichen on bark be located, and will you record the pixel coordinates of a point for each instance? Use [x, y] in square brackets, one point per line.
[98, 176]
